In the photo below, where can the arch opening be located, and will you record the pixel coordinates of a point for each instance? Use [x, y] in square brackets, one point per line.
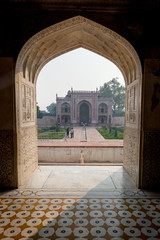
[54, 41]
[84, 113]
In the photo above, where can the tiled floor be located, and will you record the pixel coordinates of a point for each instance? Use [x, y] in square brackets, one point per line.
[79, 202]
[84, 218]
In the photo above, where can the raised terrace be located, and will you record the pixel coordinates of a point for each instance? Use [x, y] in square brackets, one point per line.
[87, 147]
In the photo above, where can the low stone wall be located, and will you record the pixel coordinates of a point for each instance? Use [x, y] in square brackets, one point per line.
[80, 154]
[49, 121]
[117, 121]
[46, 121]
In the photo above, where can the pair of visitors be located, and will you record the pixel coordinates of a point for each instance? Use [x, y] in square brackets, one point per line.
[72, 133]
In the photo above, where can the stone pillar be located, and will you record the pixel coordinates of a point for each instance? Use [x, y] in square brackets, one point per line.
[132, 150]
[58, 110]
[96, 111]
[74, 106]
[93, 109]
[150, 171]
[27, 151]
[8, 165]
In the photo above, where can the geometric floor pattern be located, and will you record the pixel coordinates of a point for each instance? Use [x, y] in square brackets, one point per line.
[82, 218]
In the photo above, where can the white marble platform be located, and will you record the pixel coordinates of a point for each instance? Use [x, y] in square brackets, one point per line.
[80, 181]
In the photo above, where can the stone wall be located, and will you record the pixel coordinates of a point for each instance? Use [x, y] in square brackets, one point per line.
[28, 159]
[117, 121]
[27, 152]
[130, 157]
[80, 154]
[151, 160]
[150, 175]
[46, 121]
[8, 165]
[49, 121]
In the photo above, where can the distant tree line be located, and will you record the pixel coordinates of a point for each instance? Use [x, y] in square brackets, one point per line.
[39, 112]
[51, 111]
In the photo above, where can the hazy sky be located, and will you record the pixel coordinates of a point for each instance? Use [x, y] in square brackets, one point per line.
[79, 69]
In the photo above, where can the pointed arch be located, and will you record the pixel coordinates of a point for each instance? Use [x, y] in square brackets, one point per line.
[54, 41]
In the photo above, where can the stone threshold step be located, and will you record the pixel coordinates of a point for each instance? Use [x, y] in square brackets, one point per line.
[79, 164]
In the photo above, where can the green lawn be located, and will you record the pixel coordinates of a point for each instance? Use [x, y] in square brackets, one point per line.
[51, 132]
[111, 132]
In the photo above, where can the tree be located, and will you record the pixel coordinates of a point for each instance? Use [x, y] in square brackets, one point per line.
[106, 91]
[39, 113]
[57, 127]
[117, 91]
[52, 108]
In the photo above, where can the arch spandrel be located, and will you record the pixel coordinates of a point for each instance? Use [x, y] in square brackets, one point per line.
[78, 32]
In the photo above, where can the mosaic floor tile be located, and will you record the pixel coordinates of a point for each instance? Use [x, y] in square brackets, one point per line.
[83, 219]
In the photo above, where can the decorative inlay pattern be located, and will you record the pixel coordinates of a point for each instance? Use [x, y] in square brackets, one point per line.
[7, 165]
[84, 25]
[27, 103]
[122, 222]
[151, 160]
[131, 109]
[28, 154]
[130, 154]
[38, 193]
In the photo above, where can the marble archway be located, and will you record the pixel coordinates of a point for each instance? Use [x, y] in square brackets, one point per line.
[54, 41]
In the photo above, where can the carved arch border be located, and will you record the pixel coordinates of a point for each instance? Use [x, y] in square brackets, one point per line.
[46, 45]
[120, 45]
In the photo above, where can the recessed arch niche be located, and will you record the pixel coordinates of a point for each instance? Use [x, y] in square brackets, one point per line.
[85, 112]
[54, 41]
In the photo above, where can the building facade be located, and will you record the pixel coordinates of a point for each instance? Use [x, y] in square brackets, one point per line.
[88, 107]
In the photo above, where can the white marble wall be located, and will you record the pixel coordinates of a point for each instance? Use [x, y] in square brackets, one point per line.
[78, 155]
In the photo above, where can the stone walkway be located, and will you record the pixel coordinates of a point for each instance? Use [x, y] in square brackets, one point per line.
[80, 181]
[81, 178]
[93, 135]
[91, 138]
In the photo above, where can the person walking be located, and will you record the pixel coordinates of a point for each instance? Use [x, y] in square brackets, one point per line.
[68, 132]
[72, 133]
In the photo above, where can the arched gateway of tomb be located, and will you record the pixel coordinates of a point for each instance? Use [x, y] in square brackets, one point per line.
[54, 41]
[84, 107]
